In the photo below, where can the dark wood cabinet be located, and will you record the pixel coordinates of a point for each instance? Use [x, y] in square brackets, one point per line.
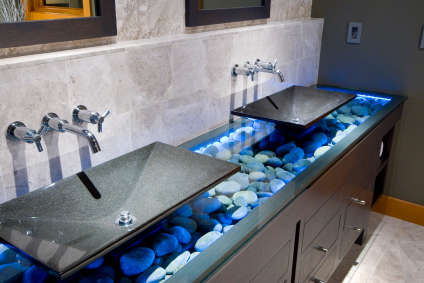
[306, 241]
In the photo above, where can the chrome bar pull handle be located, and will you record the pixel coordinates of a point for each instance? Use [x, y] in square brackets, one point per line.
[362, 202]
[322, 249]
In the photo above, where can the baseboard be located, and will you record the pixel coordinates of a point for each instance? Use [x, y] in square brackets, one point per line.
[400, 209]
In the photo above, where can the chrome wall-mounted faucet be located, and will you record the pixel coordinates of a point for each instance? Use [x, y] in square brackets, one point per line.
[246, 70]
[259, 66]
[52, 122]
[81, 114]
[17, 131]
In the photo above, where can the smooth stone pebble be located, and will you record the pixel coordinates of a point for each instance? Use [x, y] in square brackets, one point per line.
[207, 154]
[236, 156]
[291, 158]
[227, 188]
[95, 264]
[299, 151]
[301, 165]
[376, 106]
[268, 153]
[320, 138]
[270, 168]
[212, 150]
[343, 110]
[284, 149]
[246, 159]
[240, 178]
[189, 224]
[359, 120]
[234, 161]
[34, 275]
[274, 161]
[152, 275]
[210, 225]
[257, 177]
[223, 219]
[249, 196]
[337, 139]
[193, 255]
[288, 167]
[334, 113]
[177, 250]
[97, 278]
[184, 210]
[270, 177]
[276, 185]
[181, 234]
[244, 169]
[207, 205]
[323, 129]
[277, 138]
[310, 147]
[211, 193]
[227, 228]
[351, 103]
[159, 261]
[139, 259]
[268, 145]
[285, 176]
[256, 166]
[194, 238]
[239, 201]
[236, 212]
[340, 126]
[224, 155]
[255, 204]
[207, 240]
[6, 255]
[230, 206]
[331, 122]
[348, 120]
[320, 151]
[225, 200]
[174, 261]
[105, 270]
[252, 189]
[198, 216]
[263, 194]
[246, 152]
[265, 188]
[261, 158]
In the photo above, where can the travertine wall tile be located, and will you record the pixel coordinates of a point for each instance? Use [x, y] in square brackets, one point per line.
[186, 117]
[299, 9]
[170, 90]
[2, 192]
[27, 94]
[148, 125]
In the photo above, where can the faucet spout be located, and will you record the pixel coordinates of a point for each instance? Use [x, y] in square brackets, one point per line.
[91, 139]
[280, 75]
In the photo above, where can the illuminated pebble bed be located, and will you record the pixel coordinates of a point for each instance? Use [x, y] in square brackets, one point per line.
[268, 162]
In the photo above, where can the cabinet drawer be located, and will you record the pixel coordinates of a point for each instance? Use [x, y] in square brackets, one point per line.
[275, 268]
[315, 253]
[352, 234]
[357, 204]
[362, 173]
[326, 268]
[315, 225]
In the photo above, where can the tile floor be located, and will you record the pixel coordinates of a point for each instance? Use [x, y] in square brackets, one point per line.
[394, 252]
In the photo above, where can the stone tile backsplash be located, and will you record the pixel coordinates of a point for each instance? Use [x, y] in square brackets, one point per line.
[171, 90]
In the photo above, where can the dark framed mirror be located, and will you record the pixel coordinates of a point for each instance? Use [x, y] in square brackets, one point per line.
[209, 12]
[30, 22]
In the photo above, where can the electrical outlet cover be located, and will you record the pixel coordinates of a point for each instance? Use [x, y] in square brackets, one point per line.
[422, 40]
[354, 33]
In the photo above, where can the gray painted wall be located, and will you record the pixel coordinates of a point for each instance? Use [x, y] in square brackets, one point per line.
[387, 60]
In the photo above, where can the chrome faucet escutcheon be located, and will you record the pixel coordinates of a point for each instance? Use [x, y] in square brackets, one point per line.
[82, 114]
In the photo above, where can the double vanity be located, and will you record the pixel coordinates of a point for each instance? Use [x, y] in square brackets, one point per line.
[277, 196]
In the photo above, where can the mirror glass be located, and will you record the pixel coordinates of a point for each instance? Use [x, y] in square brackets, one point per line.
[225, 4]
[36, 10]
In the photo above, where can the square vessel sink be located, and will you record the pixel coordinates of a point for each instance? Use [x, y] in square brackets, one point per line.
[295, 109]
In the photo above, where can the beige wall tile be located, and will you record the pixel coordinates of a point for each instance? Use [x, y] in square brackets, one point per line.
[279, 10]
[27, 94]
[293, 49]
[2, 191]
[148, 125]
[186, 117]
[311, 38]
[308, 70]
[299, 9]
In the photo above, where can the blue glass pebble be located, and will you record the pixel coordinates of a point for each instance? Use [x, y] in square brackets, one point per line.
[139, 259]
[95, 264]
[152, 275]
[284, 149]
[105, 270]
[236, 212]
[198, 216]
[206, 240]
[291, 158]
[298, 150]
[180, 233]
[189, 224]
[256, 166]
[35, 275]
[207, 205]
[223, 219]
[210, 225]
[247, 152]
[227, 228]
[301, 165]
[163, 244]
[310, 147]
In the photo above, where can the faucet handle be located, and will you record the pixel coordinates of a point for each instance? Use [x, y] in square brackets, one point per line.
[17, 131]
[266, 65]
[101, 120]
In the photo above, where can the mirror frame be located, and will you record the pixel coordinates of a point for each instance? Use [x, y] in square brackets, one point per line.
[197, 17]
[15, 34]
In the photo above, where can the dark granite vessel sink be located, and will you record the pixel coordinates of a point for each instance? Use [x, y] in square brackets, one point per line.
[308, 105]
[65, 226]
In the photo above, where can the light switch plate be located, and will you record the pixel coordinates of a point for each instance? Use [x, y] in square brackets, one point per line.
[354, 33]
[422, 40]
